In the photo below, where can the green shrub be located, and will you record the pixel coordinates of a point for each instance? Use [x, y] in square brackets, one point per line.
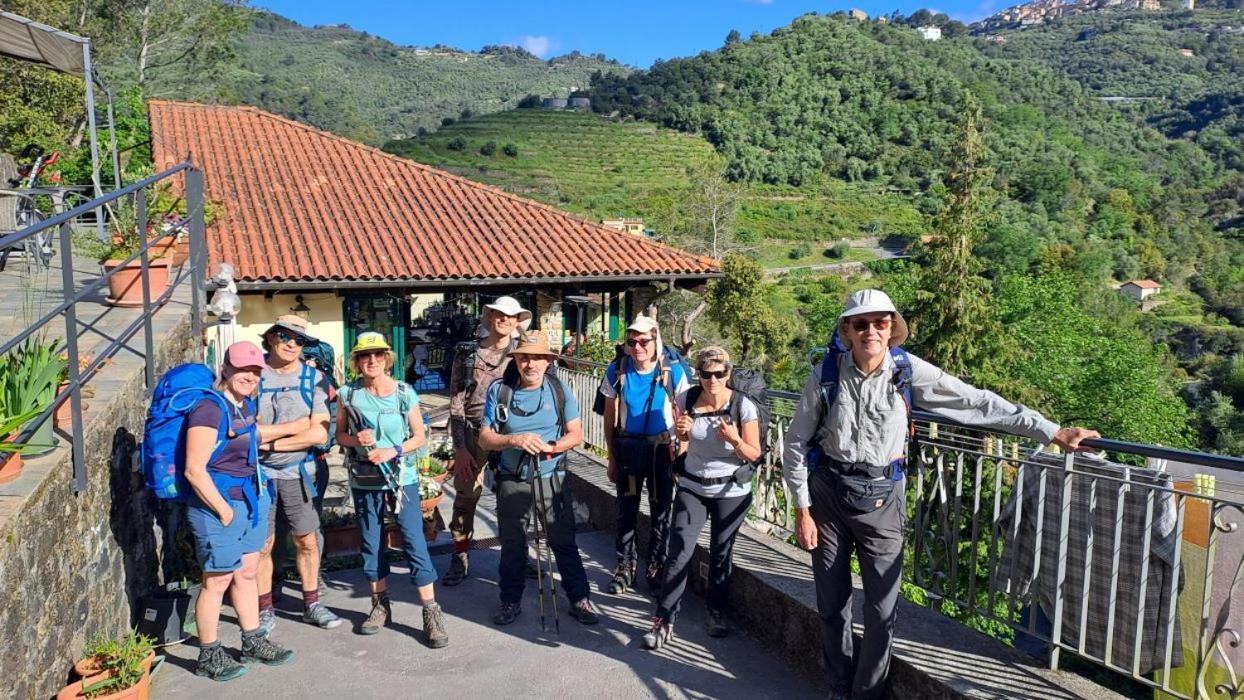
[489, 148]
[802, 250]
[837, 251]
[456, 144]
[510, 150]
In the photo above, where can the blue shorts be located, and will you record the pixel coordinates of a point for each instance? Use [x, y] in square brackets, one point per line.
[220, 547]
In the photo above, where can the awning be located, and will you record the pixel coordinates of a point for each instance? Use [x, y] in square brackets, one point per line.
[38, 43]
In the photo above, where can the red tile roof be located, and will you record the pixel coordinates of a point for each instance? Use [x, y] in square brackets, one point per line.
[304, 205]
[1146, 284]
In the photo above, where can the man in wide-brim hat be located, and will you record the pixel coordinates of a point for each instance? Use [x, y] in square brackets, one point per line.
[532, 420]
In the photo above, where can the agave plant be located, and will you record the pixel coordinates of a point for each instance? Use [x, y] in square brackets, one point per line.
[29, 376]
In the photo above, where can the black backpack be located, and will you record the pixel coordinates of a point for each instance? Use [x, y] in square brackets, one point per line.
[743, 382]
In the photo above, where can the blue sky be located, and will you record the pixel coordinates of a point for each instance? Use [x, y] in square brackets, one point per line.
[636, 32]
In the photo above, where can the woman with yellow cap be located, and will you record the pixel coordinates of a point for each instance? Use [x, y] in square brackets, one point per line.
[381, 429]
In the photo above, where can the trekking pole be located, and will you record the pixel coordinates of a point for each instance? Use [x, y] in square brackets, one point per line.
[557, 623]
[535, 526]
[385, 471]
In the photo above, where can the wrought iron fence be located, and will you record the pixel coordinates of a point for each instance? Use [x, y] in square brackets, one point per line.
[72, 298]
[1130, 562]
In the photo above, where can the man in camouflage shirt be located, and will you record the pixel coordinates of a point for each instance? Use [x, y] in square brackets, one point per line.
[476, 366]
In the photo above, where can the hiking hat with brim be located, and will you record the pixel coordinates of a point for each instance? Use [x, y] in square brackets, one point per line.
[874, 301]
[293, 324]
[510, 307]
[371, 341]
[534, 343]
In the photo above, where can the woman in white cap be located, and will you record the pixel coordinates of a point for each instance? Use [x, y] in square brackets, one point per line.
[844, 462]
[379, 425]
[227, 511]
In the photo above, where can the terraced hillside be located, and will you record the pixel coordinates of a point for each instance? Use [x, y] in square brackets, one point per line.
[596, 167]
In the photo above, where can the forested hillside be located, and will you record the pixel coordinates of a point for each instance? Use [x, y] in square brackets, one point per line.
[370, 89]
[1181, 71]
[1078, 191]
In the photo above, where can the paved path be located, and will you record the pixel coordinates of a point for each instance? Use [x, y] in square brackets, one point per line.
[482, 660]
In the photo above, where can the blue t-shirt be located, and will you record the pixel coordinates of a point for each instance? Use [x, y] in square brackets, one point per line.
[530, 411]
[659, 415]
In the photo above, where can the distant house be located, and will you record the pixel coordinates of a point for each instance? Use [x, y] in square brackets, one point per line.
[633, 226]
[580, 103]
[858, 15]
[998, 38]
[1188, 4]
[930, 33]
[1186, 53]
[555, 103]
[1141, 289]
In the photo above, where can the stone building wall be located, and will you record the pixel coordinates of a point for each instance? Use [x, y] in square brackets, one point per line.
[72, 566]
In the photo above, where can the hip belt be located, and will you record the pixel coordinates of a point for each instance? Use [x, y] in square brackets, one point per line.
[818, 461]
[308, 478]
[241, 488]
[741, 476]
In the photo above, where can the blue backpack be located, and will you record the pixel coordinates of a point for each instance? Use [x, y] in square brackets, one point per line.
[164, 435]
[828, 377]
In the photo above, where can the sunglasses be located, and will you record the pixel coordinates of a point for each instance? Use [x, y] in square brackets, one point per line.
[370, 354]
[284, 337]
[641, 342]
[719, 374]
[860, 325]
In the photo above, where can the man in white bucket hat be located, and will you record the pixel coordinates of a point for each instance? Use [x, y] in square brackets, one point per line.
[477, 364]
[846, 451]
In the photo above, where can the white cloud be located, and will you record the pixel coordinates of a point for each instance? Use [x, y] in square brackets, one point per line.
[538, 45]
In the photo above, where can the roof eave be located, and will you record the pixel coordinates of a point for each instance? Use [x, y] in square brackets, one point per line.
[433, 284]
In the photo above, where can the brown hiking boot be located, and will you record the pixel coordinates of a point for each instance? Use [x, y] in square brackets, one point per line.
[381, 614]
[434, 626]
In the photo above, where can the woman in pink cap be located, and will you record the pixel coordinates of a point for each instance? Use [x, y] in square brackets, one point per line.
[227, 510]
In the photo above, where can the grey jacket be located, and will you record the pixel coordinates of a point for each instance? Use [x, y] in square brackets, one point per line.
[868, 421]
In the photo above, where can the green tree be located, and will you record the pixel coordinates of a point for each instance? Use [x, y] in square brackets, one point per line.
[196, 36]
[739, 305]
[951, 319]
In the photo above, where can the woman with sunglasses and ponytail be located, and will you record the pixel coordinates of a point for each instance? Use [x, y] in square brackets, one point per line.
[844, 466]
[720, 432]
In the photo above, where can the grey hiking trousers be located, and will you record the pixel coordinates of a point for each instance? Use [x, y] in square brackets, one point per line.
[877, 539]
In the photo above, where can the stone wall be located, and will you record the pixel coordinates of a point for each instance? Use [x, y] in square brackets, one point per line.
[73, 565]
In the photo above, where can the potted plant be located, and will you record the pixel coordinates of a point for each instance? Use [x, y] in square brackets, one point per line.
[125, 284]
[29, 375]
[434, 470]
[113, 668]
[63, 415]
[341, 533]
[430, 495]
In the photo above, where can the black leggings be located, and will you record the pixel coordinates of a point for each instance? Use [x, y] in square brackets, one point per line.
[658, 473]
[690, 512]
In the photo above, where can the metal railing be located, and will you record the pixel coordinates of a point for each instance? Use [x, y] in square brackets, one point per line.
[1133, 568]
[72, 298]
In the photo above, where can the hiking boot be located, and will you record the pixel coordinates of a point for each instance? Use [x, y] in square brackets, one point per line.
[256, 647]
[654, 575]
[585, 612]
[458, 567]
[507, 613]
[434, 626]
[215, 663]
[267, 621]
[319, 615]
[660, 634]
[381, 614]
[715, 623]
[623, 578]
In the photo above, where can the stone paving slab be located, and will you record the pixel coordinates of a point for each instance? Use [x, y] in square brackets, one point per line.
[518, 661]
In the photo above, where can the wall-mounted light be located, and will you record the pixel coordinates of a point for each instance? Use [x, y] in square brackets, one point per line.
[301, 309]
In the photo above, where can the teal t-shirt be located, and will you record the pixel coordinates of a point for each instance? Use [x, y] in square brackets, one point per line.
[530, 411]
[385, 416]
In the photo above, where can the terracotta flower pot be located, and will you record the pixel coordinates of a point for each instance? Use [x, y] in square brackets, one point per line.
[138, 691]
[10, 463]
[429, 504]
[125, 286]
[440, 478]
[342, 539]
[64, 412]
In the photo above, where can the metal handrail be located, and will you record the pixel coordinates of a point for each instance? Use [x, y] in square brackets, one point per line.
[193, 271]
